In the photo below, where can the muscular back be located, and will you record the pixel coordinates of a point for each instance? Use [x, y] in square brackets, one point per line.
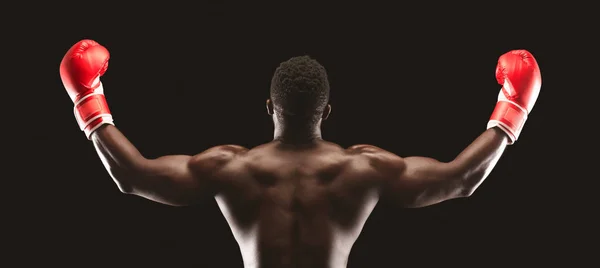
[297, 205]
[294, 206]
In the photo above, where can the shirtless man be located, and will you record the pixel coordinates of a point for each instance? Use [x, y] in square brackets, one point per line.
[297, 201]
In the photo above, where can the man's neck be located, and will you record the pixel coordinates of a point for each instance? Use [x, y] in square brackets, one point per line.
[288, 133]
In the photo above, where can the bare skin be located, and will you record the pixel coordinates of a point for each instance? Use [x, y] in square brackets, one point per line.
[298, 201]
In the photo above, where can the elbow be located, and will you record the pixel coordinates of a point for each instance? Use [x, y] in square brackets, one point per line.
[125, 188]
[466, 192]
[125, 173]
[122, 180]
[470, 182]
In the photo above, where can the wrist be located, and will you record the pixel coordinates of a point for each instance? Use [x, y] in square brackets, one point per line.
[509, 117]
[91, 111]
[96, 124]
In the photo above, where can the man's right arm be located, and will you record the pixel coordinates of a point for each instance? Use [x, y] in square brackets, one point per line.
[172, 179]
[423, 181]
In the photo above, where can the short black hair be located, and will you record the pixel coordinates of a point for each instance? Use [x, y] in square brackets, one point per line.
[300, 88]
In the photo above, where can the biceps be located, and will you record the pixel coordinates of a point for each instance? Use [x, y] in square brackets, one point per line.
[426, 181]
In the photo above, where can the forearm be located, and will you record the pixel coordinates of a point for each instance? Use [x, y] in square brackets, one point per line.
[477, 160]
[119, 156]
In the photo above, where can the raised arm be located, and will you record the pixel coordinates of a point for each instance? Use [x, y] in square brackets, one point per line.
[174, 180]
[422, 181]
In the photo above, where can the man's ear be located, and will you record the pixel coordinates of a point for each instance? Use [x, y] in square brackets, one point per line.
[269, 107]
[326, 112]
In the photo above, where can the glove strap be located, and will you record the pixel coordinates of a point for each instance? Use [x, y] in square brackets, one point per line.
[91, 112]
[509, 117]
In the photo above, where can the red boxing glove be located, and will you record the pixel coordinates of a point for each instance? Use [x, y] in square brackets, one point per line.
[519, 74]
[80, 71]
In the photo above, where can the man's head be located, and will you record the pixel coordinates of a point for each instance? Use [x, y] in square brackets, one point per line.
[300, 91]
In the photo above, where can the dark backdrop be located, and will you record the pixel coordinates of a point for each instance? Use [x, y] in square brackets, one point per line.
[413, 80]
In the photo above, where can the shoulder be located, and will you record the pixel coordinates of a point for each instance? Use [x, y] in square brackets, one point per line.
[377, 158]
[216, 157]
[227, 148]
[371, 151]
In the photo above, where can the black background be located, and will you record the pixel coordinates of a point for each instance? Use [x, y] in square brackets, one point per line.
[413, 79]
